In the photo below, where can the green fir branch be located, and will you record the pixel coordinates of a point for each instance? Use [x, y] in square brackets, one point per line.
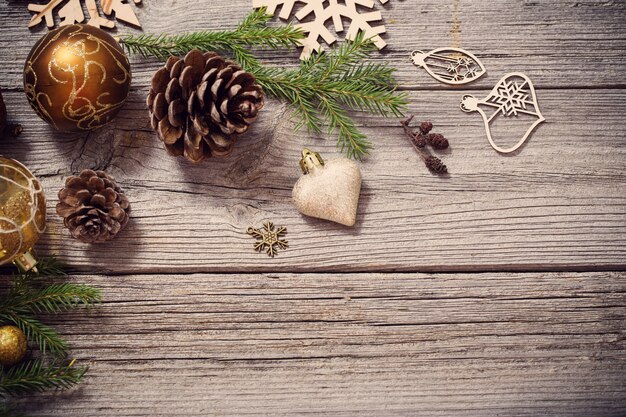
[37, 376]
[325, 83]
[252, 32]
[31, 295]
[55, 298]
[46, 339]
[322, 91]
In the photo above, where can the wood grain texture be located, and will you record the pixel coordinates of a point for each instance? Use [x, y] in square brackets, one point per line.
[558, 204]
[195, 323]
[350, 345]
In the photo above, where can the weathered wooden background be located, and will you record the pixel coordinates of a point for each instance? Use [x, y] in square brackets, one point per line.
[497, 291]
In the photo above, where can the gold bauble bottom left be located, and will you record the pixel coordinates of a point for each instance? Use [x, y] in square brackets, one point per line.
[22, 213]
[12, 345]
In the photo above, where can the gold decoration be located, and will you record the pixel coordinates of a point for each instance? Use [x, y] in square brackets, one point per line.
[12, 345]
[269, 238]
[72, 12]
[77, 78]
[22, 213]
[328, 190]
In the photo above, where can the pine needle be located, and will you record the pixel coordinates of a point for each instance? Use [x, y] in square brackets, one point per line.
[30, 295]
[37, 376]
[55, 298]
[322, 91]
[45, 337]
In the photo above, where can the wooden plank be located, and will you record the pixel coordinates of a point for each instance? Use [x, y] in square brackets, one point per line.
[559, 203]
[349, 345]
[561, 43]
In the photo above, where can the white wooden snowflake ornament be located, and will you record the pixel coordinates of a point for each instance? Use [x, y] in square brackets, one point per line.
[513, 96]
[72, 12]
[321, 11]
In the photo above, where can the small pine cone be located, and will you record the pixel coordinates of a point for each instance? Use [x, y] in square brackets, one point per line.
[435, 165]
[419, 140]
[437, 141]
[198, 104]
[426, 127]
[93, 206]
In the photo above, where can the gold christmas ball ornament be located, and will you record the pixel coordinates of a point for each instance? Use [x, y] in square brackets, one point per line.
[77, 78]
[12, 345]
[22, 213]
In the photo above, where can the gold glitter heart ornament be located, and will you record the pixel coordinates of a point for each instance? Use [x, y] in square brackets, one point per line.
[328, 190]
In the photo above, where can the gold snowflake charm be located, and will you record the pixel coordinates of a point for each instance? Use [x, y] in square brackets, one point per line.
[269, 238]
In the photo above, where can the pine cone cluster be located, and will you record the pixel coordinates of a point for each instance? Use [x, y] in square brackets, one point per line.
[94, 208]
[198, 104]
[423, 137]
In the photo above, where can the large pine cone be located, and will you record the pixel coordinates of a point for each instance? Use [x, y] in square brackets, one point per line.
[93, 206]
[199, 103]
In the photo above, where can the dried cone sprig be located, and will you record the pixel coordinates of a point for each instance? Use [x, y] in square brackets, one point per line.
[94, 208]
[200, 103]
[419, 139]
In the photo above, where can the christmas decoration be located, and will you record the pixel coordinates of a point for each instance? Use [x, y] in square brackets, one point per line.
[30, 294]
[22, 213]
[513, 95]
[323, 90]
[77, 78]
[12, 345]
[328, 190]
[316, 13]
[198, 104]
[419, 139]
[269, 238]
[94, 208]
[72, 12]
[450, 65]
[7, 129]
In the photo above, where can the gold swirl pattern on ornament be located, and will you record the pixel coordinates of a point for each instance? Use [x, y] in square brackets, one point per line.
[86, 114]
[35, 201]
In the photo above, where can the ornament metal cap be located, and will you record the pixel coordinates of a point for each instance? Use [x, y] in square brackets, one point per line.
[310, 160]
[26, 262]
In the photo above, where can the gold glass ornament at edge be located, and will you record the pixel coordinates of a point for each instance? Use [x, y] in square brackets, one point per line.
[13, 345]
[77, 78]
[22, 213]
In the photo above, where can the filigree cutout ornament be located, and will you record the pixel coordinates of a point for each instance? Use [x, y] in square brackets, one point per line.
[72, 12]
[513, 96]
[450, 65]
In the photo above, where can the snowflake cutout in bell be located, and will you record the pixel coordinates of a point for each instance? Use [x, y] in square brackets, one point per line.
[269, 238]
[512, 96]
